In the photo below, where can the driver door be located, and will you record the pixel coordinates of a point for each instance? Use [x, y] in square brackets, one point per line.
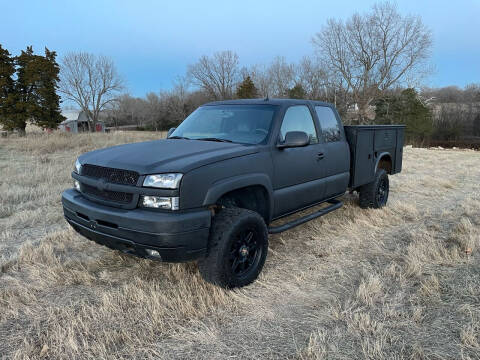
[298, 174]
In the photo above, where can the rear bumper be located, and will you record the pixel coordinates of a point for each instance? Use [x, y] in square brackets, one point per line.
[177, 236]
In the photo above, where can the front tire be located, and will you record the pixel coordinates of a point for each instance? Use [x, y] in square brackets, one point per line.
[238, 248]
[375, 194]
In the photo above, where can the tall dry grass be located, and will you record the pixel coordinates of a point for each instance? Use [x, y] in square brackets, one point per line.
[400, 282]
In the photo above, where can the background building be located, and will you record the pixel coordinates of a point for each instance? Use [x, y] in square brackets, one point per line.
[77, 121]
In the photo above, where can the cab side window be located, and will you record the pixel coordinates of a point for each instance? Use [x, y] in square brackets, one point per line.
[329, 124]
[298, 118]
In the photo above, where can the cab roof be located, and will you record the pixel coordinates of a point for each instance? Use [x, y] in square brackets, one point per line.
[266, 101]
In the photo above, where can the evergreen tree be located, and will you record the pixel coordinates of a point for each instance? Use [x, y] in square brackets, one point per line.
[32, 96]
[7, 90]
[247, 89]
[25, 87]
[406, 109]
[297, 92]
[49, 114]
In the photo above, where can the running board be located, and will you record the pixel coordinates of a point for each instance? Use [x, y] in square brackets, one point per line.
[336, 204]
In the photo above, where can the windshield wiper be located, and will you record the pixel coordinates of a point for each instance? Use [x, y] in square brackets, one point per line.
[214, 139]
[179, 137]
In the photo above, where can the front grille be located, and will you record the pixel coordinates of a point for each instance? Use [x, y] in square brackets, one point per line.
[117, 176]
[115, 196]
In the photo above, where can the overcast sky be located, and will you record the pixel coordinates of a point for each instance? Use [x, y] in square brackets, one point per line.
[152, 42]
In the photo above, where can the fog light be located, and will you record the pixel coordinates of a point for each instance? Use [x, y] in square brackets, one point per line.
[76, 185]
[152, 252]
[158, 202]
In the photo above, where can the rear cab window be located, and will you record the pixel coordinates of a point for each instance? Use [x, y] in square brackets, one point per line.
[328, 122]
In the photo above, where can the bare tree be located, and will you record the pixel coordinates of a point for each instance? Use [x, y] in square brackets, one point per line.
[472, 93]
[91, 81]
[453, 94]
[261, 79]
[282, 76]
[375, 51]
[217, 75]
[313, 78]
[154, 110]
[158, 111]
[129, 110]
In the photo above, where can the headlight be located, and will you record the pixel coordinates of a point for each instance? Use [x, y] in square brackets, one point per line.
[163, 181]
[77, 167]
[158, 202]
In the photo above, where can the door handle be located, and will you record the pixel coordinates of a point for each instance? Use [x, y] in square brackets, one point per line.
[320, 156]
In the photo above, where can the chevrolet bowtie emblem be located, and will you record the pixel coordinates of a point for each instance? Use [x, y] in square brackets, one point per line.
[102, 184]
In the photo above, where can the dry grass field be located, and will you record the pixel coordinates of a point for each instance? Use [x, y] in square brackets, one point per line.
[398, 283]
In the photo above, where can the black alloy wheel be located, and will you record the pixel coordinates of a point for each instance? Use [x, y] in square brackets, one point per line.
[245, 253]
[375, 194]
[382, 192]
[238, 247]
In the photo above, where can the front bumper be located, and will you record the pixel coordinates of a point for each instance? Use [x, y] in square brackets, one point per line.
[177, 236]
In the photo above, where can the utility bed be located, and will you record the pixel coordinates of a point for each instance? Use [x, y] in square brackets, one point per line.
[370, 143]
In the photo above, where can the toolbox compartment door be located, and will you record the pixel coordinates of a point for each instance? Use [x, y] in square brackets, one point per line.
[362, 158]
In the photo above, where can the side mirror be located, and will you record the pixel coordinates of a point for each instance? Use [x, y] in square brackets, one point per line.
[295, 139]
[170, 132]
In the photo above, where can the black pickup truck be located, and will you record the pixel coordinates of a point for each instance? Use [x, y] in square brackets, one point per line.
[210, 191]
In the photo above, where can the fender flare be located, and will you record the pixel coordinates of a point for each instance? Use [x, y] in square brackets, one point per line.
[380, 157]
[221, 187]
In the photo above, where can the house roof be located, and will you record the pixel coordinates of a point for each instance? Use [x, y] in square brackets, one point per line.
[80, 116]
[71, 115]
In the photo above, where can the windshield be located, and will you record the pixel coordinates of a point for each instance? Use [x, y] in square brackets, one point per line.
[246, 124]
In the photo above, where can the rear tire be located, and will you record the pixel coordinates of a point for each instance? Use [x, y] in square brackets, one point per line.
[375, 194]
[238, 248]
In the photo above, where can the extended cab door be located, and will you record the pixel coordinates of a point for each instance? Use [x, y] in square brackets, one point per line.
[298, 172]
[336, 158]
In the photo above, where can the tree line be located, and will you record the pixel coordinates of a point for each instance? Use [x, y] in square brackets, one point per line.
[354, 64]
[370, 66]
[447, 116]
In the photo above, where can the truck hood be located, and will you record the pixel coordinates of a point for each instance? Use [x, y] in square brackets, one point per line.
[160, 156]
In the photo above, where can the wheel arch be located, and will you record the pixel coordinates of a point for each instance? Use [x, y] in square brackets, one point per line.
[257, 184]
[384, 161]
